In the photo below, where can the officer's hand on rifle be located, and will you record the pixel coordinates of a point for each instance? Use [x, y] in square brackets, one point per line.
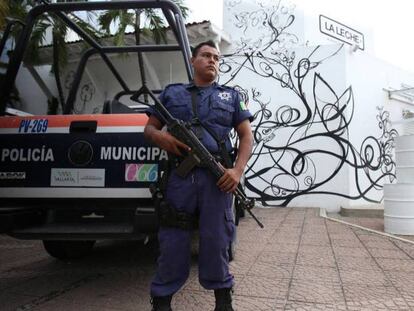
[171, 144]
[230, 180]
[163, 139]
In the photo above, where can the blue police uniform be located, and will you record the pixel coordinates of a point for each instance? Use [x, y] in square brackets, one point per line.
[220, 108]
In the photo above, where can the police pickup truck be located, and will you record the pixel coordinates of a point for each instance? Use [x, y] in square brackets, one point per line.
[72, 179]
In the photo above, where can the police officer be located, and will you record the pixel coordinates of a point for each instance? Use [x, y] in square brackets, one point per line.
[219, 108]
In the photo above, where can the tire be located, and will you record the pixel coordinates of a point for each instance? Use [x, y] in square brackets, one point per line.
[68, 249]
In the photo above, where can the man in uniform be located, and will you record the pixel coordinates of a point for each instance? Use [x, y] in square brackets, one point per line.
[218, 109]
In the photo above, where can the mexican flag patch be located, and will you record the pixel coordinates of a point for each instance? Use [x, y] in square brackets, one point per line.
[243, 105]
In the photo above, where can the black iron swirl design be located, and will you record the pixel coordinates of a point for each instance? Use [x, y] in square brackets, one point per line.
[293, 141]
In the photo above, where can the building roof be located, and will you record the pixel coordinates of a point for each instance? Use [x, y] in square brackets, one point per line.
[196, 31]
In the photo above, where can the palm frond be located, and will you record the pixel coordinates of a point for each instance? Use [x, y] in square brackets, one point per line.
[181, 5]
[4, 12]
[106, 19]
[36, 41]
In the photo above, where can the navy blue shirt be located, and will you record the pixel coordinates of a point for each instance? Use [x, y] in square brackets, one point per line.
[220, 108]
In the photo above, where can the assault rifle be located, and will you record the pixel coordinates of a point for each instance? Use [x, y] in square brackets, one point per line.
[198, 155]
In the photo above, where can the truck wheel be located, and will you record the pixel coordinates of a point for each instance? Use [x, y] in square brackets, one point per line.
[68, 249]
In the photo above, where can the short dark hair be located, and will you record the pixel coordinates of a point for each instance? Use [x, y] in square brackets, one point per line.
[198, 46]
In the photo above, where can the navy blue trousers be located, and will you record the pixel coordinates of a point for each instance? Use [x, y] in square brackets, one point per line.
[197, 192]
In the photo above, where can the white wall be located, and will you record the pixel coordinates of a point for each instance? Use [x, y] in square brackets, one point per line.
[346, 153]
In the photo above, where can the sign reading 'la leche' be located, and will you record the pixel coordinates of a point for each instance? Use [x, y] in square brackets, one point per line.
[341, 32]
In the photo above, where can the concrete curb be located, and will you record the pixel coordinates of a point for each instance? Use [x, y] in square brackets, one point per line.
[322, 213]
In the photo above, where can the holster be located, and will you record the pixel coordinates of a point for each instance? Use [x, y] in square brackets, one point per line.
[170, 217]
[166, 215]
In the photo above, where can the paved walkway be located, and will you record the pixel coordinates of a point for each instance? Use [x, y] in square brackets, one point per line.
[299, 261]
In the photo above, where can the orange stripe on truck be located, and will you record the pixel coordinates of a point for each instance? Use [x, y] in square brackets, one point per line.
[130, 119]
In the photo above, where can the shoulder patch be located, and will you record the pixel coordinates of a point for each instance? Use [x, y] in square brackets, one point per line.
[243, 106]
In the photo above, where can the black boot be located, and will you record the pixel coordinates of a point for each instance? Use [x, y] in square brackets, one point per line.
[161, 303]
[223, 299]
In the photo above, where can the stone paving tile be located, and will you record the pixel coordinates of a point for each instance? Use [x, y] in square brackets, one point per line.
[187, 300]
[388, 253]
[346, 243]
[244, 303]
[315, 239]
[396, 264]
[241, 267]
[291, 233]
[358, 264]
[359, 252]
[108, 294]
[246, 253]
[10, 301]
[334, 227]
[78, 306]
[12, 278]
[263, 287]
[48, 283]
[308, 259]
[290, 225]
[408, 297]
[254, 237]
[277, 246]
[374, 278]
[314, 220]
[343, 235]
[277, 258]
[402, 280]
[324, 274]
[315, 250]
[303, 306]
[313, 225]
[383, 244]
[285, 239]
[365, 236]
[315, 291]
[406, 247]
[374, 298]
[270, 270]
[193, 283]
[252, 249]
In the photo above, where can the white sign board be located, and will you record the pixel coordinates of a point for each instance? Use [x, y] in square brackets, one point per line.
[341, 32]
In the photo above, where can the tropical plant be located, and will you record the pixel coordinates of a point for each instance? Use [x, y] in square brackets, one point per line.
[4, 12]
[146, 22]
[46, 23]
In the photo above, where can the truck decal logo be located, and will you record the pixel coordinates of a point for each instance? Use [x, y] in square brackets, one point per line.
[133, 153]
[42, 154]
[12, 175]
[141, 172]
[82, 177]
